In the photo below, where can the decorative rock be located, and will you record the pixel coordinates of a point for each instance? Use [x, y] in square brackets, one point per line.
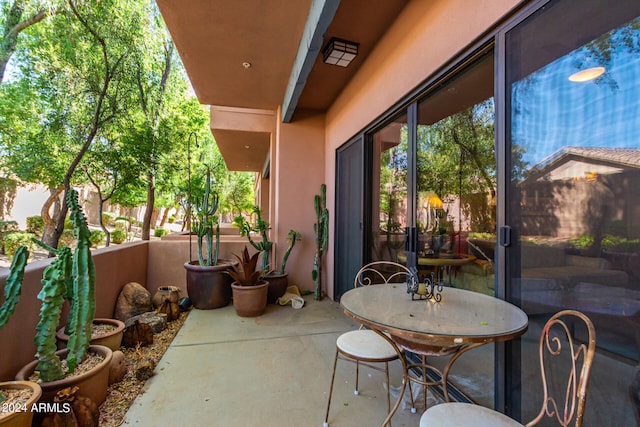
[134, 299]
[157, 321]
[138, 334]
[117, 368]
[144, 369]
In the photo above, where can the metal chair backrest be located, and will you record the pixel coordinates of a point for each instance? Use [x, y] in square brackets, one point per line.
[383, 272]
[557, 332]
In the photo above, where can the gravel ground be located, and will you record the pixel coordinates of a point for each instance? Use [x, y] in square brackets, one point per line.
[122, 394]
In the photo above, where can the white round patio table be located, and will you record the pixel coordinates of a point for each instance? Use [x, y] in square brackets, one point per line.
[461, 321]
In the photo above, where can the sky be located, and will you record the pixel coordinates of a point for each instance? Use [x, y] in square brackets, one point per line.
[554, 112]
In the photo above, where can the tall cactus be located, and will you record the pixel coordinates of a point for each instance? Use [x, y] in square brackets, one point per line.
[262, 227]
[204, 223]
[321, 228]
[70, 276]
[83, 303]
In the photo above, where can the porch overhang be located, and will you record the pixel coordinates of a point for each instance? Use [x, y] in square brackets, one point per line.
[264, 55]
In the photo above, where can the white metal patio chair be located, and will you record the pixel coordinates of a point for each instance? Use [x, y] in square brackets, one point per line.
[364, 346]
[556, 332]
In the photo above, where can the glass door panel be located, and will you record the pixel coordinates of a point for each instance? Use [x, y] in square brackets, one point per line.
[573, 82]
[456, 201]
[389, 191]
[456, 179]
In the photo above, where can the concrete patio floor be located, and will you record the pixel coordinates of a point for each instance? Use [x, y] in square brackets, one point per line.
[272, 370]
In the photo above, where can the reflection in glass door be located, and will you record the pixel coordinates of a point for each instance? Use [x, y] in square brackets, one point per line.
[389, 191]
[456, 179]
[456, 200]
[433, 200]
[573, 81]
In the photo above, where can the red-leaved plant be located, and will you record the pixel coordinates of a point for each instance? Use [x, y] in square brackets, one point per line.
[245, 274]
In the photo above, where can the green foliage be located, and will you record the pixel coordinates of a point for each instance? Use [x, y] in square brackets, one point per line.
[582, 242]
[321, 228]
[13, 241]
[108, 218]
[293, 237]
[70, 276]
[620, 244]
[118, 235]
[35, 225]
[203, 223]
[68, 224]
[97, 237]
[261, 227]
[171, 219]
[159, 232]
[67, 238]
[122, 224]
[6, 227]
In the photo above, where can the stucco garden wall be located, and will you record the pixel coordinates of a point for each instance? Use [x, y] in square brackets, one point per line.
[115, 266]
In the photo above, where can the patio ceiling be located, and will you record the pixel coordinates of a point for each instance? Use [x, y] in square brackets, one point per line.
[216, 37]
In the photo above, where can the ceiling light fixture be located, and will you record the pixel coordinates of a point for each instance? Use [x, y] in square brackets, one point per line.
[246, 64]
[587, 74]
[339, 52]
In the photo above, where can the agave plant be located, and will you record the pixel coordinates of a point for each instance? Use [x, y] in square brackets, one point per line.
[246, 274]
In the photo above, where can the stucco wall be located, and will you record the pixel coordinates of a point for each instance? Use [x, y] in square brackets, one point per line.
[115, 266]
[424, 37]
[167, 257]
[299, 173]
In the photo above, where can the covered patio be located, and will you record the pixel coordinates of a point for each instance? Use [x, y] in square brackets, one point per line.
[273, 370]
[445, 98]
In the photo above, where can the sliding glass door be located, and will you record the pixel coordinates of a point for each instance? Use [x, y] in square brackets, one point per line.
[433, 195]
[573, 194]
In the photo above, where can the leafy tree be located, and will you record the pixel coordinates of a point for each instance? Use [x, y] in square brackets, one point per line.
[76, 62]
[16, 16]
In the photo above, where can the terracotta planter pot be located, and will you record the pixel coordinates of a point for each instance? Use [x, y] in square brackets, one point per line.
[112, 339]
[278, 284]
[25, 416]
[209, 287]
[92, 384]
[250, 301]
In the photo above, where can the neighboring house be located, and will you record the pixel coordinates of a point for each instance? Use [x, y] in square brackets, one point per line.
[596, 180]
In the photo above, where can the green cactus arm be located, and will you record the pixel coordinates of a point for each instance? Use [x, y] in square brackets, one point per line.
[83, 306]
[13, 285]
[217, 250]
[292, 238]
[52, 296]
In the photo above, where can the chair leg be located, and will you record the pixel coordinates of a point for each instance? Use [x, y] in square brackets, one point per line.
[357, 390]
[333, 376]
[386, 370]
[424, 378]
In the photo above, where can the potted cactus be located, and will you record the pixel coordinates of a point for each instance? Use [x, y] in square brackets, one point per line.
[207, 286]
[71, 276]
[261, 227]
[249, 287]
[279, 279]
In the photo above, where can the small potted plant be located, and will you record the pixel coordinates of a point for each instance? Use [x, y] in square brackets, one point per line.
[71, 276]
[16, 400]
[261, 227]
[207, 285]
[249, 288]
[279, 279]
